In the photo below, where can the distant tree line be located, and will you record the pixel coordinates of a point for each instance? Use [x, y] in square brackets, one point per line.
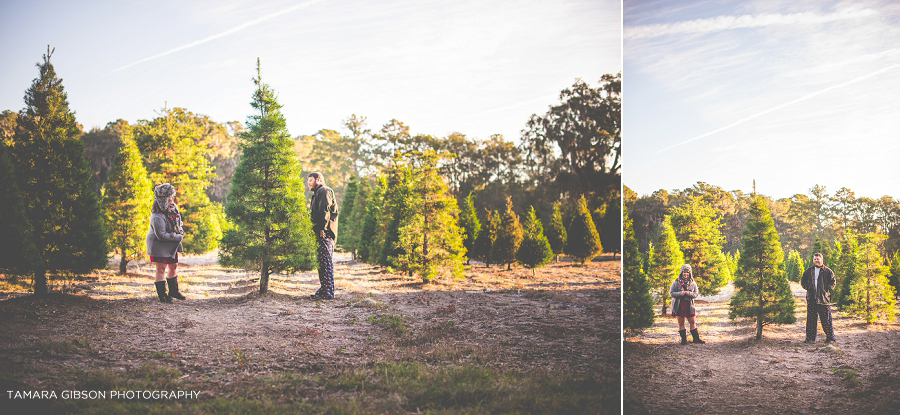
[761, 244]
[413, 202]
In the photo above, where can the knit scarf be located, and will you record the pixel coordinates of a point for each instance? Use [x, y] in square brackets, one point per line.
[174, 218]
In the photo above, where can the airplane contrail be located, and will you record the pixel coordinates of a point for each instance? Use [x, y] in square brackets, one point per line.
[218, 35]
[778, 107]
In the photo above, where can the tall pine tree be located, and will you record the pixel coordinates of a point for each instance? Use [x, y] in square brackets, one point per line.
[763, 291]
[612, 223]
[509, 237]
[583, 240]
[347, 206]
[18, 255]
[54, 180]
[174, 151]
[556, 231]
[895, 271]
[126, 201]
[535, 250]
[701, 241]
[637, 304]
[484, 243]
[870, 294]
[272, 230]
[468, 221]
[667, 261]
[397, 208]
[849, 269]
[431, 240]
[354, 224]
[367, 248]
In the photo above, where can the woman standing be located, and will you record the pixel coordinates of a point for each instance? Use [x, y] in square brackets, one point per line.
[684, 291]
[164, 240]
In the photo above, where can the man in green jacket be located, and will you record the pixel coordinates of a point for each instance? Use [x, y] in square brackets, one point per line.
[818, 281]
[323, 212]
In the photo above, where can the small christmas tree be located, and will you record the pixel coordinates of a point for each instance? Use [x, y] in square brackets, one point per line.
[128, 195]
[484, 243]
[556, 231]
[468, 221]
[870, 293]
[347, 206]
[509, 237]
[354, 225]
[612, 224]
[637, 304]
[793, 267]
[583, 240]
[667, 261]
[763, 291]
[366, 247]
[535, 250]
[272, 230]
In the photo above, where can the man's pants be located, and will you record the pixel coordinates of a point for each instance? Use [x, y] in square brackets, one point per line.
[823, 312]
[325, 253]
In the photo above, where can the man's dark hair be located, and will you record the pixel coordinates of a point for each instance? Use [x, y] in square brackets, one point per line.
[818, 254]
[316, 175]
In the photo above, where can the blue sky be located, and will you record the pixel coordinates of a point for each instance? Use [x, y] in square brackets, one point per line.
[475, 67]
[788, 93]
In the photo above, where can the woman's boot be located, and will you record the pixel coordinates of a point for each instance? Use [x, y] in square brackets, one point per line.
[683, 334]
[696, 336]
[173, 288]
[161, 292]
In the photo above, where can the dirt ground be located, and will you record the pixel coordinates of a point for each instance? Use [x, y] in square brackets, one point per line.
[735, 374]
[563, 321]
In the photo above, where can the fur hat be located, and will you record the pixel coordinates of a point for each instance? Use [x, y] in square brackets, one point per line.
[161, 194]
[686, 267]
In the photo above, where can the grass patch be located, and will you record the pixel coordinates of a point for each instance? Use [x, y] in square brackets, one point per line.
[393, 323]
[73, 345]
[848, 374]
[373, 389]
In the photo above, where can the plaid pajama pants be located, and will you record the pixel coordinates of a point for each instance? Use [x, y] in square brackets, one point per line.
[324, 255]
[823, 313]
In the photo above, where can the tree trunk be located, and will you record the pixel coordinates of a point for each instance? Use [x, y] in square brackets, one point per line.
[759, 311]
[264, 278]
[40, 282]
[664, 306]
[123, 264]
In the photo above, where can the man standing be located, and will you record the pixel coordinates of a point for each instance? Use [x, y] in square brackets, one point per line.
[818, 281]
[323, 212]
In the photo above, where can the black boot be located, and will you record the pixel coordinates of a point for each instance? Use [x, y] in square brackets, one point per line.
[683, 334]
[696, 336]
[173, 288]
[161, 292]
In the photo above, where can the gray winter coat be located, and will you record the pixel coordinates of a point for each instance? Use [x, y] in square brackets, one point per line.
[688, 295]
[162, 241]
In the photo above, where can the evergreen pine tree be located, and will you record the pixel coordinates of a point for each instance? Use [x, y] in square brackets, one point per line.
[583, 240]
[612, 224]
[870, 294]
[556, 231]
[54, 180]
[397, 209]
[272, 229]
[18, 255]
[484, 243]
[895, 271]
[763, 291]
[174, 151]
[697, 230]
[509, 237]
[431, 239]
[535, 250]
[367, 248]
[667, 261]
[647, 259]
[354, 225]
[794, 266]
[637, 304]
[126, 202]
[849, 269]
[468, 221]
[347, 206]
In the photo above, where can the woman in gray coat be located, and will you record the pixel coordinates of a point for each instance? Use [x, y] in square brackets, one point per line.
[684, 291]
[164, 240]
